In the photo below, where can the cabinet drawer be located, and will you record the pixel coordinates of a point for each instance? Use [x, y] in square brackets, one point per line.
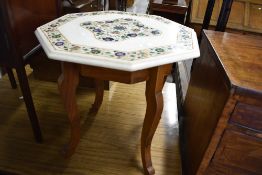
[255, 16]
[240, 152]
[216, 168]
[248, 116]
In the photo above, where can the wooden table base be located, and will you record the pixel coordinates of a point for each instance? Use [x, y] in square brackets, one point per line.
[155, 79]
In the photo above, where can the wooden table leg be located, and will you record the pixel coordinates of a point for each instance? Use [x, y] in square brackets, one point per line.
[67, 84]
[154, 109]
[99, 97]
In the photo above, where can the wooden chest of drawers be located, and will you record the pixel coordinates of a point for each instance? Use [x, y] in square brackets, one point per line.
[222, 126]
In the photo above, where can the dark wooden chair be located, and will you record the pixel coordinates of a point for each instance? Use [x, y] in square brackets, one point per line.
[18, 21]
[220, 26]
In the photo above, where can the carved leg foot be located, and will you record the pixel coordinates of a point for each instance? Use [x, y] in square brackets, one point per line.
[99, 97]
[67, 84]
[154, 109]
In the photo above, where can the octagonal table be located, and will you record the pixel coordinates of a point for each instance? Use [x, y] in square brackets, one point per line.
[117, 46]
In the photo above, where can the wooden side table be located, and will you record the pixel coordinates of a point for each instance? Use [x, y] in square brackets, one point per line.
[117, 46]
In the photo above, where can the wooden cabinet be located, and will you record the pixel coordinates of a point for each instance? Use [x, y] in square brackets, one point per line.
[222, 125]
[245, 14]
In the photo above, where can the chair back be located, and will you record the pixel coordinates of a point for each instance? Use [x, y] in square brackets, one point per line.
[25, 16]
[7, 57]
[223, 15]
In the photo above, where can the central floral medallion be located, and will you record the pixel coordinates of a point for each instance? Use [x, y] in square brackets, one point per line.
[119, 29]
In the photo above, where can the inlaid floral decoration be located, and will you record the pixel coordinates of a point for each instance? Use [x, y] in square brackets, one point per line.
[119, 29]
[59, 42]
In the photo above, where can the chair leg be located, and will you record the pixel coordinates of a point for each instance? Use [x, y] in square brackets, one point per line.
[11, 77]
[104, 8]
[125, 4]
[29, 102]
[188, 13]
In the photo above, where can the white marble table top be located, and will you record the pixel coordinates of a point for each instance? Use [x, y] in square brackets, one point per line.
[118, 40]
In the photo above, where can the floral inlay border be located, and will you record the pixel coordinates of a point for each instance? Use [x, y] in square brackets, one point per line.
[119, 29]
[60, 43]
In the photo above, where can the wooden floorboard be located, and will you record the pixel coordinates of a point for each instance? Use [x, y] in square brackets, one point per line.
[110, 141]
